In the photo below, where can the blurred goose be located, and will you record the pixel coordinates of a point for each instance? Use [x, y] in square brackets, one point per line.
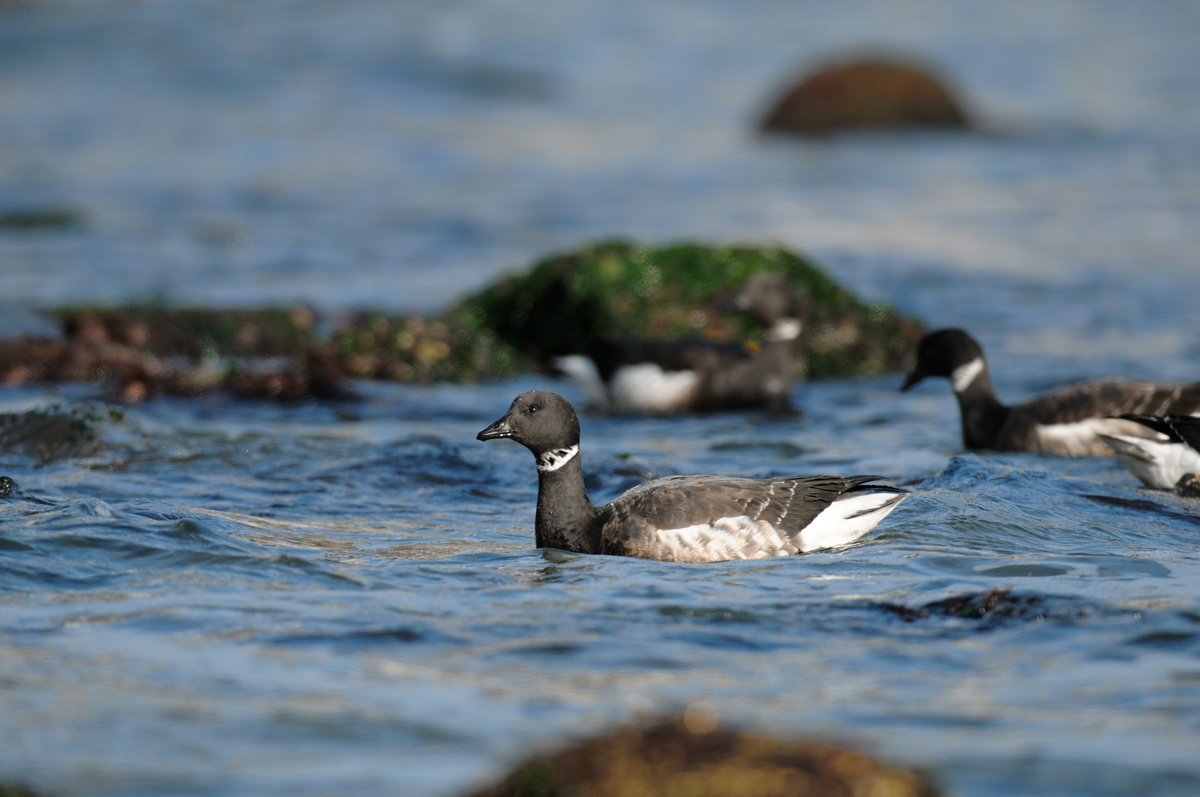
[1172, 455]
[683, 518]
[1066, 421]
[659, 377]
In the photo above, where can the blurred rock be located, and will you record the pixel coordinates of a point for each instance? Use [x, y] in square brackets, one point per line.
[54, 433]
[1188, 486]
[39, 219]
[617, 290]
[611, 290]
[690, 758]
[868, 94]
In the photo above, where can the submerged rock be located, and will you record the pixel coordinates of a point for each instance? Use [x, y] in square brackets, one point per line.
[54, 433]
[619, 290]
[690, 757]
[867, 94]
[38, 219]
[1188, 486]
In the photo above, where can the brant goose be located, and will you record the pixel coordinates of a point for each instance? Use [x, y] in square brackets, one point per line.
[1172, 455]
[1066, 421]
[683, 518]
[659, 377]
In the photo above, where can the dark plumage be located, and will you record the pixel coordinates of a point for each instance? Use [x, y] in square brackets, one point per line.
[635, 376]
[683, 518]
[1066, 421]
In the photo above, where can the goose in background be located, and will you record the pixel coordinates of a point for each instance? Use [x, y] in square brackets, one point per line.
[683, 518]
[1067, 421]
[662, 377]
[1172, 455]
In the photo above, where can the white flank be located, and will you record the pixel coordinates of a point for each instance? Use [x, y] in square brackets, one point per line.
[1157, 463]
[784, 329]
[646, 387]
[725, 538]
[962, 376]
[847, 519]
[553, 460]
[582, 371]
[1082, 438]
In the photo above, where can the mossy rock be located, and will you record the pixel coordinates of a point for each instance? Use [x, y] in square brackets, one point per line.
[611, 290]
[685, 758]
[619, 290]
[194, 332]
[874, 94]
[451, 347]
[55, 433]
[40, 219]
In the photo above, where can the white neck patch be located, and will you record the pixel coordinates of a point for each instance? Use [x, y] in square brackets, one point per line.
[553, 460]
[964, 375]
[784, 329]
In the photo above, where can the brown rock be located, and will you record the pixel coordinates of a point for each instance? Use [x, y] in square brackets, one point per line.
[870, 94]
[687, 758]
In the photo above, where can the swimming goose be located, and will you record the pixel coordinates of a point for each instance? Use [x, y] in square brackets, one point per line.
[659, 377]
[683, 518]
[1173, 454]
[1066, 421]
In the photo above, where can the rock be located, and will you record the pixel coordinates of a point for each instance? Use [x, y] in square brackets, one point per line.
[869, 94]
[38, 219]
[689, 756]
[194, 332]
[614, 289]
[619, 290]
[55, 433]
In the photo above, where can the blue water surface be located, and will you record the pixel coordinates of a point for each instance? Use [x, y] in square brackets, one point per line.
[239, 598]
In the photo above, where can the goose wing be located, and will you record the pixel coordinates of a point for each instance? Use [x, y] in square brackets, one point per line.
[712, 518]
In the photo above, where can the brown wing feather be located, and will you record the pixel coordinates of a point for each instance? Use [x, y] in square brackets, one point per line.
[1111, 397]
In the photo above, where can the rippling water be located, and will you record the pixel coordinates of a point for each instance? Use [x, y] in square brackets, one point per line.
[233, 598]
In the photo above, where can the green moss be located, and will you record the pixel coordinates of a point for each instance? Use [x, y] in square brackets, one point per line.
[619, 290]
[613, 289]
[453, 347]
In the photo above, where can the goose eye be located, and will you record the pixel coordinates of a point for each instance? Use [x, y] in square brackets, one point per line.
[533, 408]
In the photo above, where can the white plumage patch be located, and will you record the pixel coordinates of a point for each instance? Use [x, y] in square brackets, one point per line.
[738, 537]
[1157, 463]
[742, 537]
[847, 519]
[581, 370]
[962, 376]
[553, 460]
[646, 387]
[784, 329]
[1082, 438]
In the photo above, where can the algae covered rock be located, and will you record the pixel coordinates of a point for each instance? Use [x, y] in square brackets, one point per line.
[193, 332]
[694, 759]
[620, 290]
[452, 347]
[611, 290]
[55, 433]
[868, 94]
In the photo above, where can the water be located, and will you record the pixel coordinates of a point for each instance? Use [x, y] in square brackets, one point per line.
[236, 598]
